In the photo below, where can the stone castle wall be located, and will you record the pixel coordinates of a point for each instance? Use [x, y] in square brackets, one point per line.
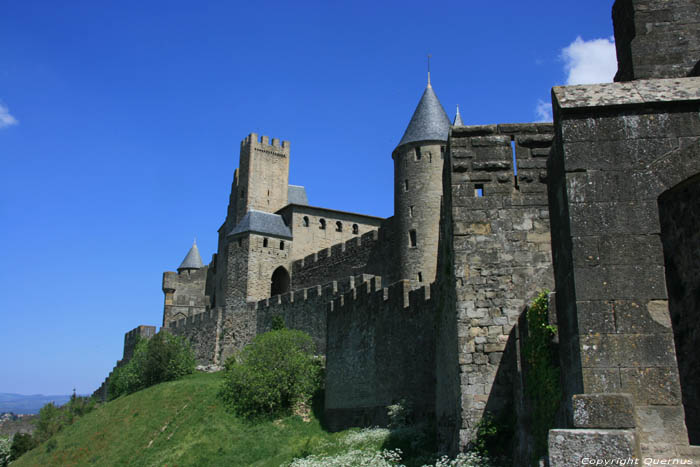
[380, 351]
[370, 253]
[611, 169]
[184, 294]
[310, 237]
[217, 334]
[495, 256]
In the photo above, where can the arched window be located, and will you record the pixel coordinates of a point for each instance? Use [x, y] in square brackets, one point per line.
[338, 226]
[322, 224]
[355, 229]
[279, 282]
[306, 221]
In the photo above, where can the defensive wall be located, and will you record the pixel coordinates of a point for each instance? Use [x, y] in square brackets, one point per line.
[381, 351]
[217, 334]
[625, 172]
[370, 253]
[494, 257]
[131, 338]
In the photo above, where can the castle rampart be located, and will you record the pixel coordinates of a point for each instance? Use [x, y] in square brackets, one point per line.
[370, 253]
[625, 161]
[494, 257]
[380, 352]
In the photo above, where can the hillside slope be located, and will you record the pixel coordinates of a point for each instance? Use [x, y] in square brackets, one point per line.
[176, 424]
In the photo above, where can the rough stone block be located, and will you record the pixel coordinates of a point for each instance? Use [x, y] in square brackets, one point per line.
[601, 380]
[651, 386]
[627, 350]
[603, 411]
[575, 447]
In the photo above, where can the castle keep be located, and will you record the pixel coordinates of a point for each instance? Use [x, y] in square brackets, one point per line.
[427, 306]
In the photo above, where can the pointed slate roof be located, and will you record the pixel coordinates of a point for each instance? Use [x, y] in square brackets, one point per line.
[458, 119]
[264, 223]
[429, 122]
[192, 260]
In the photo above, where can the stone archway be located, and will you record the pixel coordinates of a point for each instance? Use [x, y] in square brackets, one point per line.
[279, 282]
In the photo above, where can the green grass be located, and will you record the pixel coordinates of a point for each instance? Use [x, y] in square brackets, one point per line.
[177, 424]
[183, 423]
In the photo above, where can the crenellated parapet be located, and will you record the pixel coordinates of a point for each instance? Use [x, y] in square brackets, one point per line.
[381, 349]
[371, 253]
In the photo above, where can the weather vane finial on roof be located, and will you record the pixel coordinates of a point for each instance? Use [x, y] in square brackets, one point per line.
[429, 69]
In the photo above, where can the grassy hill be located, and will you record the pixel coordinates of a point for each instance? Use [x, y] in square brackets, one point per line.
[183, 423]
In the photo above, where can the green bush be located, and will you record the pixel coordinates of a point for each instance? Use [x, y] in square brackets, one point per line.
[161, 358]
[49, 422]
[21, 443]
[271, 375]
[5, 447]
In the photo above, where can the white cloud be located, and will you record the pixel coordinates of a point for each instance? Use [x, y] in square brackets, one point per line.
[543, 110]
[5, 118]
[589, 62]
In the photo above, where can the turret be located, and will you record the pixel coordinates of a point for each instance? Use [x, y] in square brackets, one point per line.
[192, 261]
[418, 160]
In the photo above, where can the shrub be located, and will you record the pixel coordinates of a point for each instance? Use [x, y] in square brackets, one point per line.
[5, 446]
[163, 357]
[49, 422]
[21, 443]
[272, 374]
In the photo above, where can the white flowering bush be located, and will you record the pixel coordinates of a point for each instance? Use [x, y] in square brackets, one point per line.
[366, 436]
[353, 458]
[5, 445]
[469, 459]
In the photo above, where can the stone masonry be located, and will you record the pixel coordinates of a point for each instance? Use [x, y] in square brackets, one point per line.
[427, 306]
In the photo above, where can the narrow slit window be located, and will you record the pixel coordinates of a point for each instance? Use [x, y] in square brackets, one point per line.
[281, 244]
[240, 242]
[410, 211]
[405, 185]
[420, 277]
[264, 243]
[418, 154]
[478, 190]
[412, 238]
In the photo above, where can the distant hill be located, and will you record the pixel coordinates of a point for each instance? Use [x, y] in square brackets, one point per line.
[19, 403]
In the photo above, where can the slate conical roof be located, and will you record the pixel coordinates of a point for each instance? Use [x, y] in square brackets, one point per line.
[192, 260]
[458, 119]
[429, 122]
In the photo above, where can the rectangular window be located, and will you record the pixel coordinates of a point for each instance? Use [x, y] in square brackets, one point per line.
[478, 190]
[420, 277]
[412, 238]
[418, 154]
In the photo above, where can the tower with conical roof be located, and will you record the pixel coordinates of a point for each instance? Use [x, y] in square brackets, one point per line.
[418, 161]
[192, 260]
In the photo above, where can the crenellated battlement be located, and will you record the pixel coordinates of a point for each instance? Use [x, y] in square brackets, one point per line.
[264, 140]
[195, 320]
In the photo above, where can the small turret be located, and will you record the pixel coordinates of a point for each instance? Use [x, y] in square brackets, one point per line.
[418, 161]
[192, 260]
[458, 119]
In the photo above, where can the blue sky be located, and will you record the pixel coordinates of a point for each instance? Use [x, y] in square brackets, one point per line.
[120, 124]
